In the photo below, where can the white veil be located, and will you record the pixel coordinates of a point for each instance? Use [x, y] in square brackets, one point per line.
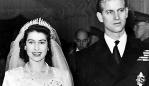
[58, 58]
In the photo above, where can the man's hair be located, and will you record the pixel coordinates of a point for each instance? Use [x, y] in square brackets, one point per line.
[80, 30]
[99, 5]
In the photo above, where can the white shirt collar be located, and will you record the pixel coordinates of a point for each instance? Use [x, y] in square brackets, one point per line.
[77, 49]
[121, 45]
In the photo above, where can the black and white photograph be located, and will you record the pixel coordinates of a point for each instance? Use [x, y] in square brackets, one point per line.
[74, 42]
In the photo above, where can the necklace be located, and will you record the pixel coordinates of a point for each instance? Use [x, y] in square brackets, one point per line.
[37, 75]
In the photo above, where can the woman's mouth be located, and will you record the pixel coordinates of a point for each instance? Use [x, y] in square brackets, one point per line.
[36, 54]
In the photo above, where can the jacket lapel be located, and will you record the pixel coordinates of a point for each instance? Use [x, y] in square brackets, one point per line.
[109, 62]
[130, 56]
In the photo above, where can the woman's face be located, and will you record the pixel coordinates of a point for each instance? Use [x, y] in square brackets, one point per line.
[36, 46]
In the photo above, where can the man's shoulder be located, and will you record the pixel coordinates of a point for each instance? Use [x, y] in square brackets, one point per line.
[135, 46]
[91, 48]
[135, 42]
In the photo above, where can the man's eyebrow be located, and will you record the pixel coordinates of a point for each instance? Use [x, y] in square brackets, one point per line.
[109, 10]
[121, 8]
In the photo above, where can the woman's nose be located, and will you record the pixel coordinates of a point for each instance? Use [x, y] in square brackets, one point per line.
[36, 46]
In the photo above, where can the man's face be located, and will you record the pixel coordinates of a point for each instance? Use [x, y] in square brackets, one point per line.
[141, 30]
[113, 16]
[82, 40]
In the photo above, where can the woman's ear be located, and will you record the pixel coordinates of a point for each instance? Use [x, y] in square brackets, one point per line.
[99, 16]
[25, 47]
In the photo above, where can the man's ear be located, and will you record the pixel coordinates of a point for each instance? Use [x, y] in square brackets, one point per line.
[127, 11]
[99, 16]
[76, 39]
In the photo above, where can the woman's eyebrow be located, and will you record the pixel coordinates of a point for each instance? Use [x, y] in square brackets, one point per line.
[30, 40]
[43, 40]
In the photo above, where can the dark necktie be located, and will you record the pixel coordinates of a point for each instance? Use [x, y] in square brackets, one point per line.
[116, 53]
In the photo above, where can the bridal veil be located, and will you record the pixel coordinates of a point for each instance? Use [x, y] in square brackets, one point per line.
[58, 58]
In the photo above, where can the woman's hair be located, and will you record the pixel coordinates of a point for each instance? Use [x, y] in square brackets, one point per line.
[41, 29]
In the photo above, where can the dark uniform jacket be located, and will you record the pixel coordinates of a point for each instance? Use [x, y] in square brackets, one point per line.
[95, 66]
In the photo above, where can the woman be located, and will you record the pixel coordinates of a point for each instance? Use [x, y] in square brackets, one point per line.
[31, 55]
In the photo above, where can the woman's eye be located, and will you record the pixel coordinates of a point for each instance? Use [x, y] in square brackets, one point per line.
[30, 42]
[42, 42]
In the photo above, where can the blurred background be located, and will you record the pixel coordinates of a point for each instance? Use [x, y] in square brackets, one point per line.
[64, 15]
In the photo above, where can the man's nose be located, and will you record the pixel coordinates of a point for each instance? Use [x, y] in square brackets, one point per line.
[81, 43]
[116, 16]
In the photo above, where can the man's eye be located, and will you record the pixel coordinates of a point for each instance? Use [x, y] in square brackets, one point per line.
[85, 40]
[78, 40]
[108, 12]
[122, 10]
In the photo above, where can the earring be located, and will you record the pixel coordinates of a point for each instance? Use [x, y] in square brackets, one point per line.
[24, 47]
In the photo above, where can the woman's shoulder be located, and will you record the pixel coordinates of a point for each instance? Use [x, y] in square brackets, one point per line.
[15, 71]
[58, 71]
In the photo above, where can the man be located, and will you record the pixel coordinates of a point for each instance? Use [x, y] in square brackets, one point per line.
[98, 66]
[81, 40]
[94, 34]
[141, 30]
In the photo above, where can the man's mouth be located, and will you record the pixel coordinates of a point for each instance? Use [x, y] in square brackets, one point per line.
[117, 23]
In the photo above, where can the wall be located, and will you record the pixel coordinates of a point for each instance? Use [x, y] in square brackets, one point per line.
[139, 5]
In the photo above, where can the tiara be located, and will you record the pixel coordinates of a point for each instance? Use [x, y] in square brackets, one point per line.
[38, 21]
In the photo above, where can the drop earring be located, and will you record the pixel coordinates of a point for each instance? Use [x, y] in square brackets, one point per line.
[24, 47]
